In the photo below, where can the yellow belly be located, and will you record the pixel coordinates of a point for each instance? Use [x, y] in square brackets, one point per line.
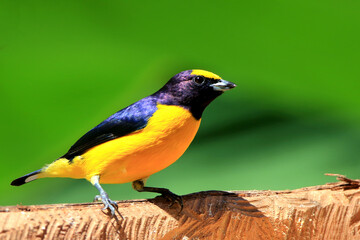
[167, 135]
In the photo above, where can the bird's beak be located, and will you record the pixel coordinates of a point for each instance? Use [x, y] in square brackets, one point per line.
[223, 85]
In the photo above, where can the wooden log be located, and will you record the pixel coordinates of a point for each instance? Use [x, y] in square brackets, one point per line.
[330, 211]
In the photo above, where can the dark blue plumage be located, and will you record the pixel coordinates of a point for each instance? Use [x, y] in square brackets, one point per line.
[24, 179]
[123, 122]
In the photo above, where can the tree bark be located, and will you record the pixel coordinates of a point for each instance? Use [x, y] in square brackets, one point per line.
[330, 211]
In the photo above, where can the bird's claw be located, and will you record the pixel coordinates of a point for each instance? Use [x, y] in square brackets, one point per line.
[109, 204]
[173, 198]
[97, 198]
[111, 208]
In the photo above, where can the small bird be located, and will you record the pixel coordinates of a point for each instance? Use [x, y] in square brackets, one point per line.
[141, 139]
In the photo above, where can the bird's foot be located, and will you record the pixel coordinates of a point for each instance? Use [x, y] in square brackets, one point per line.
[173, 198]
[109, 204]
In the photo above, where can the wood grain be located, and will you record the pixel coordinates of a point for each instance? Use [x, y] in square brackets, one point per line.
[330, 211]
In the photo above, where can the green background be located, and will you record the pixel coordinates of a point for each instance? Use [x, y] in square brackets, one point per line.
[67, 65]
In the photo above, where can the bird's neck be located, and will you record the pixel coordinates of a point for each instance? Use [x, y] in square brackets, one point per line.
[196, 108]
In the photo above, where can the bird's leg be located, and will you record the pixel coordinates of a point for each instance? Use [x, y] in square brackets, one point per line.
[108, 203]
[139, 185]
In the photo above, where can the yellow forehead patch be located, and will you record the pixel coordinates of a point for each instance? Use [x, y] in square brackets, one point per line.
[205, 74]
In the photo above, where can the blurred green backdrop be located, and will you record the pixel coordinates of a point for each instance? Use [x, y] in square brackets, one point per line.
[67, 65]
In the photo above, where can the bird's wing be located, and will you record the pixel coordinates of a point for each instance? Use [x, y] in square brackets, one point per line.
[125, 121]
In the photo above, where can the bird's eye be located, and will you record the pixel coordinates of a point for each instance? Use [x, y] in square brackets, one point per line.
[199, 80]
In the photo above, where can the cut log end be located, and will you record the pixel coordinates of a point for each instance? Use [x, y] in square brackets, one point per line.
[330, 211]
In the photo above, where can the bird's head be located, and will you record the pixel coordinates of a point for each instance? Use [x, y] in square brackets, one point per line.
[193, 89]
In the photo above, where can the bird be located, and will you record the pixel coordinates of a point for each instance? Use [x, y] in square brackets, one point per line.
[139, 140]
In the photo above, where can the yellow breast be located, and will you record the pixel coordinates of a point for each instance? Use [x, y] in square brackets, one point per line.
[167, 135]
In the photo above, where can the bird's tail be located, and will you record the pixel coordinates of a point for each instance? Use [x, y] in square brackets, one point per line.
[25, 179]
